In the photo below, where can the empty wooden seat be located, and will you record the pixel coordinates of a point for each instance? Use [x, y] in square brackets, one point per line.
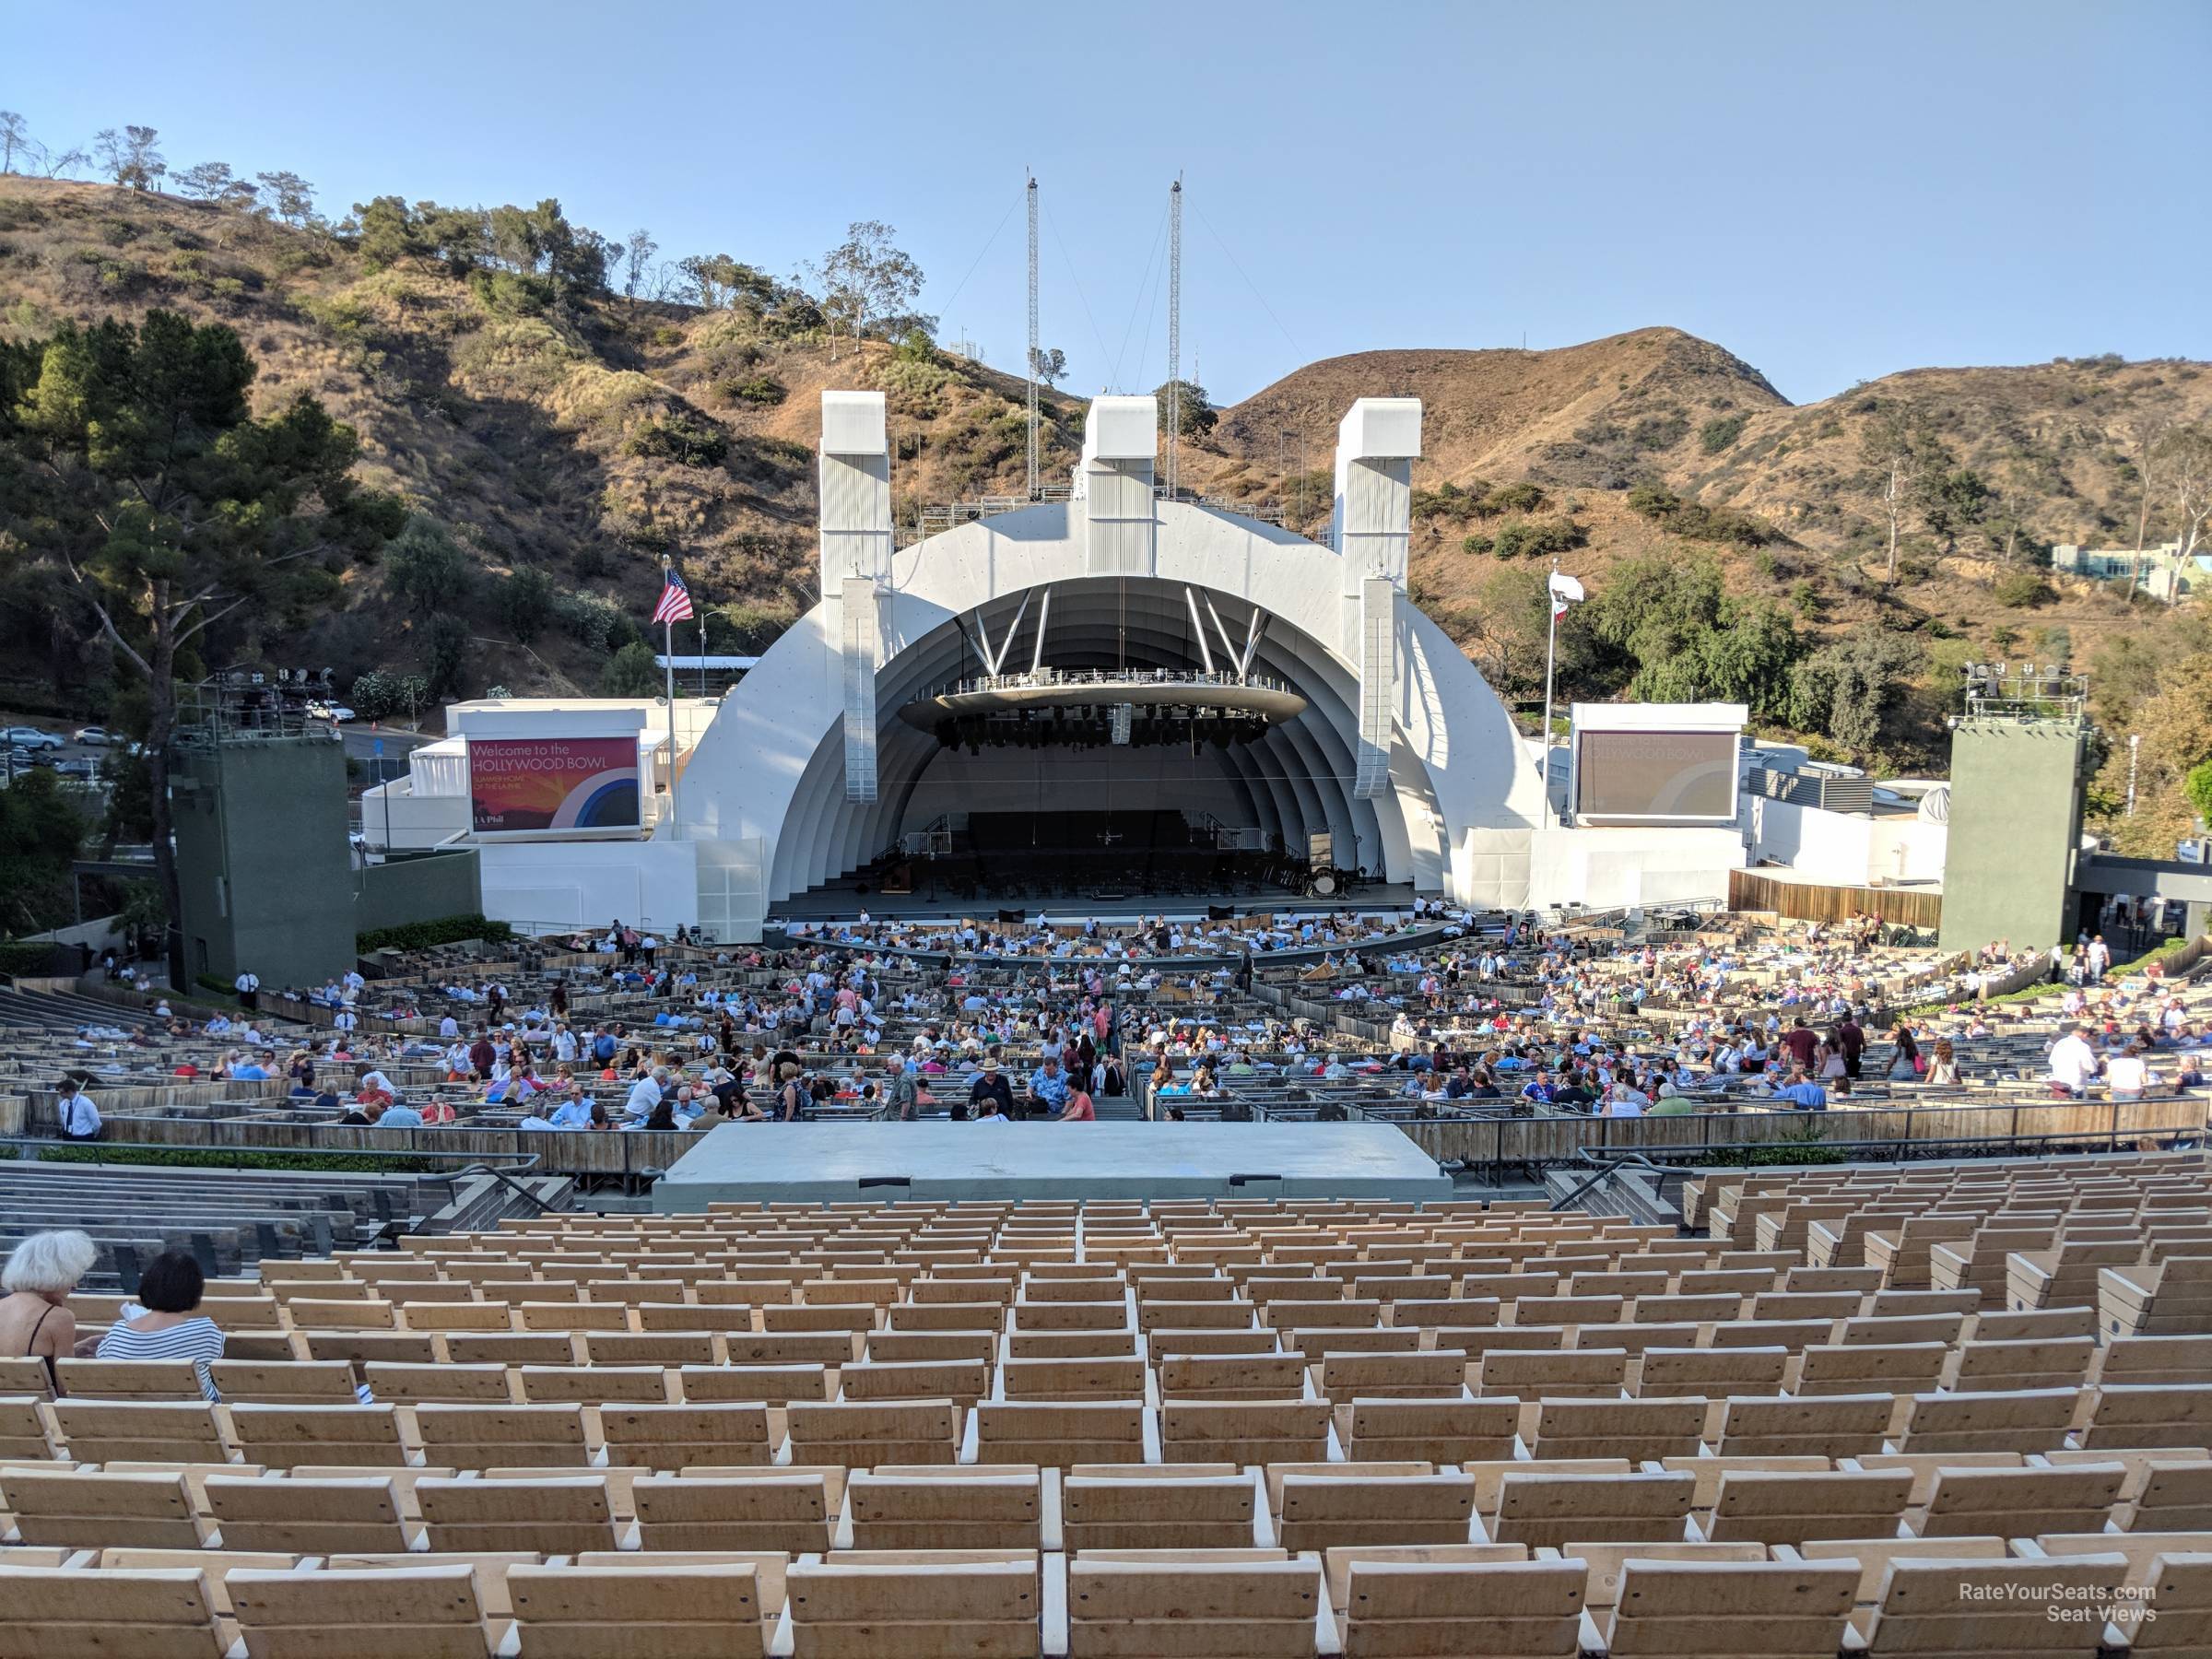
[1445, 1430]
[1715, 1372]
[1142, 1605]
[1330, 1505]
[307, 1517]
[461, 1384]
[84, 1510]
[760, 1385]
[22, 1430]
[1844, 1369]
[1436, 1374]
[62, 1613]
[963, 1381]
[279, 1437]
[139, 1431]
[789, 1509]
[1244, 1431]
[488, 1437]
[864, 1605]
[1639, 1428]
[1939, 1606]
[2019, 1420]
[981, 1507]
[1232, 1377]
[428, 1612]
[1788, 1507]
[1059, 1433]
[2143, 1415]
[1188, 1507]
[675, 1437]
[1540, 1507]
[297, 1382]
[602, 1611]
[2040, 1362]
[547, 1517]
[1450, 1600]
[593, 1384]
[2022, 1502]
[1832, 1425]
[860, 1435]
[130, 1378]
[1757, 1610]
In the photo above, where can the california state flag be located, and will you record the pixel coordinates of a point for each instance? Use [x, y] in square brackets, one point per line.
[1565, 590]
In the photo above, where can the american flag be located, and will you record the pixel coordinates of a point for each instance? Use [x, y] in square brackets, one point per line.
[675, 600]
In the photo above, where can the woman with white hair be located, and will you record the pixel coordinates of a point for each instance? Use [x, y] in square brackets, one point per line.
[35, 1321]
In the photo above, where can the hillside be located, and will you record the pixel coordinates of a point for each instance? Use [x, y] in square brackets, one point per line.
[577, 440]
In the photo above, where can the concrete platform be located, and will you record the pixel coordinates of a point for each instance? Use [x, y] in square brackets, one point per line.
[886, 1162]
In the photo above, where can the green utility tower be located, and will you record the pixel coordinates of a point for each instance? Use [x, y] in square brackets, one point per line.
[2018, 764]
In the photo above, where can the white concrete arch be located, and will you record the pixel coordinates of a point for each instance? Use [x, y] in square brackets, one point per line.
[1457, 817]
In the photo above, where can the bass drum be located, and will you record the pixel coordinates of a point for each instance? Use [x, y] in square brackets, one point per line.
[1324, 885]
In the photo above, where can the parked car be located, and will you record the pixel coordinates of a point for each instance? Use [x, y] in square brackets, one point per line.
[19, 759]
[337, 711]
[96, 736]
[30, 737]
[77, 766]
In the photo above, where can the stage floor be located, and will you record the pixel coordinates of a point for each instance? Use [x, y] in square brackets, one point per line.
[842, 902]
[887, 1163]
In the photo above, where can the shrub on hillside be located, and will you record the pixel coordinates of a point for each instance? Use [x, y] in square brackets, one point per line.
[1523, 497]
[1538, 538]
[763, 388]
[1720, 432]
[2021, 590]
[683, 441]
[1696, 521]
[526, 602]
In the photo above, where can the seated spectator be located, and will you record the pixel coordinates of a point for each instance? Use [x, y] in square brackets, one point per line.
[1078, 1109]
[165, 1322]
[35, 1321]
[399, 1115]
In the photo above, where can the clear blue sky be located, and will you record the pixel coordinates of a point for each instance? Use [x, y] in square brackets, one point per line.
[1830, 192]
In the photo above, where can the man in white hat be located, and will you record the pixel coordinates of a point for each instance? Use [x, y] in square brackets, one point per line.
[991, 1085]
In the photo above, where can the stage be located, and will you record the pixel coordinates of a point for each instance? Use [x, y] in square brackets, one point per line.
[887, 1163]
[843, 900]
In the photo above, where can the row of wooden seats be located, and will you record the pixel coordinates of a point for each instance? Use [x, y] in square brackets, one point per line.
[1876, 1598]
[1208, 1504]
[860, 1433]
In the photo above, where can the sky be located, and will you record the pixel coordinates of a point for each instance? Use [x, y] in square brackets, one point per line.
[1832, 191]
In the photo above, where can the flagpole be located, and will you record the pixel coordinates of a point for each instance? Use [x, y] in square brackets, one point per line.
[668, 626]
[1552, 651]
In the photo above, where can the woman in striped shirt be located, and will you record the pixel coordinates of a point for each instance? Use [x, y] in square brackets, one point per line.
[164, 1323]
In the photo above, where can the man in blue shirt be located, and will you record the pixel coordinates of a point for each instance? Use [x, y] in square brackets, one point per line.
[1048, 1088]
[400, 1115]
[1802, 1092]
[573, 1113]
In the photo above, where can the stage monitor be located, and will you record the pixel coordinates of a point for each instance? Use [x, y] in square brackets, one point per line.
[580, 787]
[1655, 764]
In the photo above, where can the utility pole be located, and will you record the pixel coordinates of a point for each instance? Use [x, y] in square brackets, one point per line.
[1032, 195]
[1174, 331]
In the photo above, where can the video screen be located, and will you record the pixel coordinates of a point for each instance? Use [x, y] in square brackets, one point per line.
[1657, 775]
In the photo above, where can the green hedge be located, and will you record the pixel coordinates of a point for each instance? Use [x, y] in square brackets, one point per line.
[20, 957]
[421, 936]
[210, 1158]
